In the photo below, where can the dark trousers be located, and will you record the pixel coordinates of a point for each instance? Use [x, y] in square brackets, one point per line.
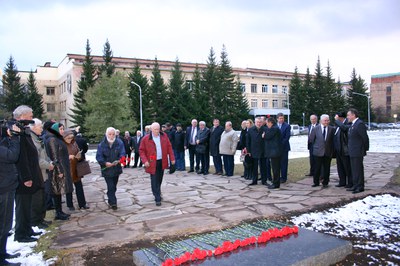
[204, 159]
[128, 155]
[322, 164]
[268, 167]
[156, 181]
[229, 164]
[137, 157]
[344, 170]
[38, 211]
[263, 169]
[48, 196]
[357, 171]
[180, 160]
[80, 195]
[23, 206]
[57, 203]
[192, 155]
[276, 170]
[6, 218]
[312, 162]
[284, 164]
[112, 189]
[218, 163]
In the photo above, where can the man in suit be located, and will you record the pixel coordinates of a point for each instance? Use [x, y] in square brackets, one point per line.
[358, 144]
[202, 148]
[135, 146]
[322, 140]
[255, 149]
[190, 144]
[340, 144]
[215, 138]
[285, 134]
[314, 123]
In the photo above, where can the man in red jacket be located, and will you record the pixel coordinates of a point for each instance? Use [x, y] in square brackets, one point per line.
[154, 151]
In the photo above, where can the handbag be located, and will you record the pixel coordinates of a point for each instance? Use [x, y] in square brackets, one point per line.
[83, 168]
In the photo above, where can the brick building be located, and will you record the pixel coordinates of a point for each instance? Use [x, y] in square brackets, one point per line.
[385, 93]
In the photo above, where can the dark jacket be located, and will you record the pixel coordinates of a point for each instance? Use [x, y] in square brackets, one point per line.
[203, 136]
[285, 135]
[273, 143]
[148, 152]
[28, 165]
[358, 141]
[82, 144]
[179, 141]
[171, 136]
[136, 144]
[322, 147]
[188, 135]
[255, 142]
[9, 153]
[309, 144]
[340, 141]
[105, 153]
[242, 140]
[127, 144]
[58, 154]
[215, 138]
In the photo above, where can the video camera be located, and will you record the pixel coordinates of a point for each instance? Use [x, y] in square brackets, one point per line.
[8, 124]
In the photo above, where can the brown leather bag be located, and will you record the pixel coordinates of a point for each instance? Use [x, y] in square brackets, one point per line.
[83, 168]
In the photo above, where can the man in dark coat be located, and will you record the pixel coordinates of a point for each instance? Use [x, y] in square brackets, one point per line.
[273, 150]
[202, 148]
[30, 179]
[314, 123]
[358, 144]
[255, 149]
[190, 144]
[9, 154]
[322, 139]
[179, 148]
[285, 134]
[135, 144]
[127, 140]
[215, 138]
[340, 144]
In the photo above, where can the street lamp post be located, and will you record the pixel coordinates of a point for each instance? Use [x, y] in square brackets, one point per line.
[140, 105]
[303, 118]
[369, 112]
[287, 106]
[395, 118]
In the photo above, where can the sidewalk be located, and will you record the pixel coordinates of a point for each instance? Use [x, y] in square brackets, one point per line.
[195, 203]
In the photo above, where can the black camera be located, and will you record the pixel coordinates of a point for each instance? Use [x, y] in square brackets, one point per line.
[8, 124]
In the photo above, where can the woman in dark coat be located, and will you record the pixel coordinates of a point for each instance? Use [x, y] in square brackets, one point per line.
[61, 180]
[273, 150]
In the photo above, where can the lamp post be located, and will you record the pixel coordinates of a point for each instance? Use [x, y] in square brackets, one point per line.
[303, 118]
[140, 105]
[395, 118]
[287, 106]
[369, 112]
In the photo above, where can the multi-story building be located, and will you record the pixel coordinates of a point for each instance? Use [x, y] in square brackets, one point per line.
[267, 91]
[385, 92]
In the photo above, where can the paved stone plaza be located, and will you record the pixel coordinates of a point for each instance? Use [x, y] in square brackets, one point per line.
[195, 203]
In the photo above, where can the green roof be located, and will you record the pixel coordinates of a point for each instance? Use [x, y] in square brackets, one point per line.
[385, 75]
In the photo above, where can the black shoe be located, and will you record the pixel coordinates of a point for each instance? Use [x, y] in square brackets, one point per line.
[42, 225]
[314, 185]
[339, 185]
[84, 207]
[199, 172]
[191, 171]
[351, 189]
[309, 174]
[357, 191]
[135, 166]
[71, 208]
[158, 203]
[273, 187]
[283, 180]
[61, 216]
[264, 183]
[13, 256]
[205, 173]
[26, 239]
[253, 184]
[324, 186]
[114, 207]
[36, 233]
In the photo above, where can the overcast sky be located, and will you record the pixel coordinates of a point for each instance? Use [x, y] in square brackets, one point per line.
[277, 35]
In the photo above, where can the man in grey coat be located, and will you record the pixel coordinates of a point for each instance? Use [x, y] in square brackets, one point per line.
[322, 140]
[227, 147]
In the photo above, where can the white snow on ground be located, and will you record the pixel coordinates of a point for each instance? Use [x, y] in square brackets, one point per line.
[375, 219]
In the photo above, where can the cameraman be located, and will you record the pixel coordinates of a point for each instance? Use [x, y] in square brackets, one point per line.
[9, 152]
[30, 178]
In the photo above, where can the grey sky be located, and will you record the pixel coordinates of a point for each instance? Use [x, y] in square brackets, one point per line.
[275, 35]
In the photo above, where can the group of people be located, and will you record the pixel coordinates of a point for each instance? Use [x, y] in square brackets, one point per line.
[348, 142]
[38, 164]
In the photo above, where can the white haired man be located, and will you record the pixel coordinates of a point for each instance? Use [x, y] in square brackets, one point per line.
[190, 144]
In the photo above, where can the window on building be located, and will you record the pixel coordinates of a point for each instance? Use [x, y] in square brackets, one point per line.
[388, 99]
[284, 104]
[50, 91]
[189, 84]
[253, 88]
[264, 88]
[284, 90]
[274, 88]
[264, 103]
[388, 90]
[275, 104]
[51, 107]
[254, 103]
[243, 87]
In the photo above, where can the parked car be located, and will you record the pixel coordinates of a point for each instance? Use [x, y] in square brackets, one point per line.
[303, 130]
[295, 130]
[383, 126]
[391, 125]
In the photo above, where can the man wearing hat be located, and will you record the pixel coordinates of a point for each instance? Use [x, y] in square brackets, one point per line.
[340, 142]
[179, 147]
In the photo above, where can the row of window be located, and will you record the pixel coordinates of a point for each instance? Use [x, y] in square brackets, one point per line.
[265, 103]
[264, 88]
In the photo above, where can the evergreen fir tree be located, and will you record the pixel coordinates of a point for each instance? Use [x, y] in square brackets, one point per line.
[200, 107]
[134, 95]
[341, 104]
[78, 112]
[211, 86]
[240, 108]
[33, 98]
[157, 93]
[224, 93]
[298, 98]
[13, 90]
[358, 102]
[319, 90]
[309, 92]
[108, 67]
[333, 100]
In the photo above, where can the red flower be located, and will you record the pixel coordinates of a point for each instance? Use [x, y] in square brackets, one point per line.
[209, 253]
[218, 251]
[122, 160]
[236, 244]
[295, 229]
[177, 261]
[168, 262]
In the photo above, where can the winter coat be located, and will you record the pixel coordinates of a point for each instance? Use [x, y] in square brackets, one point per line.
[179, 141]
[44, 160]
[203, 136]
[273, 144]
[28, 165]
[127, 144]
[82, 145]
[228, 143]
[73, 149]
[105, 153]
[148, 152]
[215, 138]
[58, 154]
[9, 154]
[255, 142]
